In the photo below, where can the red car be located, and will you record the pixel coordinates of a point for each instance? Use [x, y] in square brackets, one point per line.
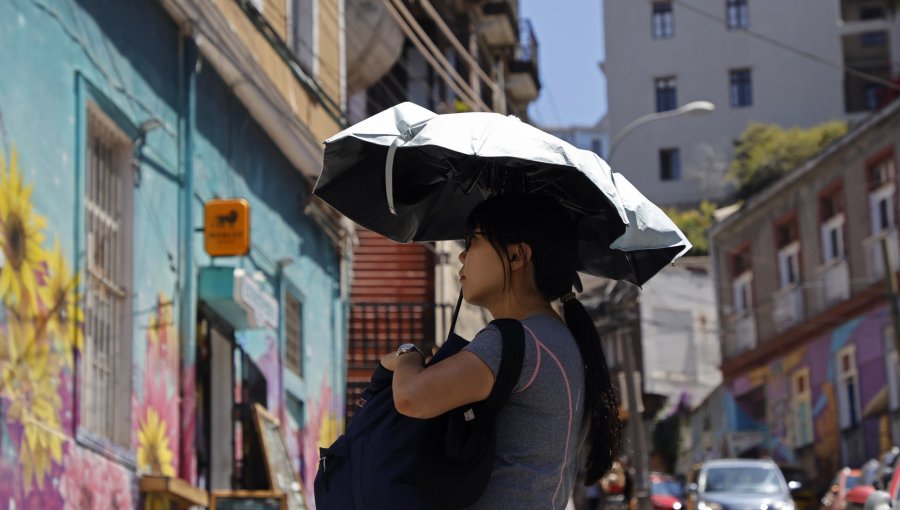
[666, 492]
[848, 491]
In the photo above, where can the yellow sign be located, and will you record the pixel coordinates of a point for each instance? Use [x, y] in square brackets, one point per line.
[226, 227]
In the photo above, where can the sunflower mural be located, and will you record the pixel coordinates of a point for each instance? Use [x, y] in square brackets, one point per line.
[40, 326]
[156, 417]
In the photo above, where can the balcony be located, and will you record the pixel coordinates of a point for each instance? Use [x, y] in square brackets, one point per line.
[741, 334]
[788, 307]
[875, 257]
[498, 26]
[522, 83]
[835, 278]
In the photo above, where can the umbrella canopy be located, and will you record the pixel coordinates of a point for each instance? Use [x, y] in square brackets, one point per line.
[413, 175]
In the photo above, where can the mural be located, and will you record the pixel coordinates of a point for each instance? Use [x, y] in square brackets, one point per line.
[41, 329]
[819, 357]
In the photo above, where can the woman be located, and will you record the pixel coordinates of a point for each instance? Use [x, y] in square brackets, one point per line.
[521, 254]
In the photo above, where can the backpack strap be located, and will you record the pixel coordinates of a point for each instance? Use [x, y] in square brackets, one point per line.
[511, 359]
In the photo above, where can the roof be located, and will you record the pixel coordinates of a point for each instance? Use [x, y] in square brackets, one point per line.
[739, 463]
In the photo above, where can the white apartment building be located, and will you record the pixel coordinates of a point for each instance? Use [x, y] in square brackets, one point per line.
[756, 60]
[592, 138]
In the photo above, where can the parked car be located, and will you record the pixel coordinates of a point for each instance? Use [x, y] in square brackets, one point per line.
[802, 487]
[741, 483]
[666, 492]
[844, 481]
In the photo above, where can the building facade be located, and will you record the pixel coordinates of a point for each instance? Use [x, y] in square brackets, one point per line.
[590, 138]
[794, 65]
[126, 350]
[809, 351]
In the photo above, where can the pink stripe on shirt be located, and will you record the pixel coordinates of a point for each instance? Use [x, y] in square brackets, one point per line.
[565, 376]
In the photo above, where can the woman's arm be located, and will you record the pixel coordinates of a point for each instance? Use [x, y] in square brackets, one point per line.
[458, 380]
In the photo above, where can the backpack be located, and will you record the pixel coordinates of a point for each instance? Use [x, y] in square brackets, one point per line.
[388, 460]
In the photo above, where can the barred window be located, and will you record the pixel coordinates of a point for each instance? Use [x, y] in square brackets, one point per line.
[741, 88]
[293, 333]
[666, 94]
[105, 377]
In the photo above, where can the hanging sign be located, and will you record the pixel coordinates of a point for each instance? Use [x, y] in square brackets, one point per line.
[226, 227]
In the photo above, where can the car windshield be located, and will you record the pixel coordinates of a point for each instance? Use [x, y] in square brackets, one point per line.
[747, 479]
[670, 487]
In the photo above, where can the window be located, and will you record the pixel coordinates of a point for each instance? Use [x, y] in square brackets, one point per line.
[831, 216]
[105, 372]
[663, 20]
[293, 334]
[304, 34]
[871, 12]
[669, 164]
[802, 403]
[848, 387]
[738, 14]
[870, 39]
[741, 279]
[880, 178]
[741, 88]
[597, 146]
[665, 94]
[787, 238]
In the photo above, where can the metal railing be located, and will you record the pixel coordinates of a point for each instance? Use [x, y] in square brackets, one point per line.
[378, 328]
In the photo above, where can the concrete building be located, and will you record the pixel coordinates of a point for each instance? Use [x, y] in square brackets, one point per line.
[680, 333]
[590, 138]
[131, 358]
[756, 60]
[810, 362]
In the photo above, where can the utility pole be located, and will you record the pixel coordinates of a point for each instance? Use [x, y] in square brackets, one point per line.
[637, 432]
[890, 275]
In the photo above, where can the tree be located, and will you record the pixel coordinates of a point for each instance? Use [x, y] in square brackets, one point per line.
[766, 152]
[695, 223]
[666, 436]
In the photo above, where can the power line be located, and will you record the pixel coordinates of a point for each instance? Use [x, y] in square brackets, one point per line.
[793, 49]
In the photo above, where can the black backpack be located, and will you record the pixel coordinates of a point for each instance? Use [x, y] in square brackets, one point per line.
[389, 461]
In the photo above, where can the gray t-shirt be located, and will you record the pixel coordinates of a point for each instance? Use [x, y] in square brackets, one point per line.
[539, 428]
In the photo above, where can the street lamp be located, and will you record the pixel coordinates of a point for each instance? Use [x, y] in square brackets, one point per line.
[695, 107]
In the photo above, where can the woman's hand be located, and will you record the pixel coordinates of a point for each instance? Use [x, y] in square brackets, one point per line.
[389, 361]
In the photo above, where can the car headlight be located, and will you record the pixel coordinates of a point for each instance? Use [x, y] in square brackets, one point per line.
[708, 505]
[676, 506]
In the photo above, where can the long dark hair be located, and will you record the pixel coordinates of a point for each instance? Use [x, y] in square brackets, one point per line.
[543, 224]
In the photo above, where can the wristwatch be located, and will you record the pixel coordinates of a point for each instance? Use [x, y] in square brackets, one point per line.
[405, 348]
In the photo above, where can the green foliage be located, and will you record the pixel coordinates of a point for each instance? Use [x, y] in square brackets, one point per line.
[695, 223]
[765, 152]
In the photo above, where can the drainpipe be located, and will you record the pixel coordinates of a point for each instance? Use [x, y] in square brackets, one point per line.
[187, 56]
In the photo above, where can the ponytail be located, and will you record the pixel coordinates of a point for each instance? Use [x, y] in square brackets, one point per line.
[602, 413]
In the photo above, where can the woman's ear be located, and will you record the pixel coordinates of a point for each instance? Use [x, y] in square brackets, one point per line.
[519, 254]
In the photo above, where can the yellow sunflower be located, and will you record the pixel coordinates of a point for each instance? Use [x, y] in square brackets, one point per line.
[61, 298]
[31, 380]
[154, 455]
[20, 239]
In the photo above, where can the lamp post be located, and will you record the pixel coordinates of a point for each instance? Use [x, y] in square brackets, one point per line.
[636, 428]
[695, 107]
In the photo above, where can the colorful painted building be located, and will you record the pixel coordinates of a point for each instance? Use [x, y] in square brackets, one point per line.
[125, 349]
[810, 363]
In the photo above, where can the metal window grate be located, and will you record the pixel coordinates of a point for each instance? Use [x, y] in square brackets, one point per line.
[107, 150]
[293, 333]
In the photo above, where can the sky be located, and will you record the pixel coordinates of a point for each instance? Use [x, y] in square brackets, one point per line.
[570, 49]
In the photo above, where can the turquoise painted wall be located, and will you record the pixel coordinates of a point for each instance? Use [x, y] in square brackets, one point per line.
[55, 57]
